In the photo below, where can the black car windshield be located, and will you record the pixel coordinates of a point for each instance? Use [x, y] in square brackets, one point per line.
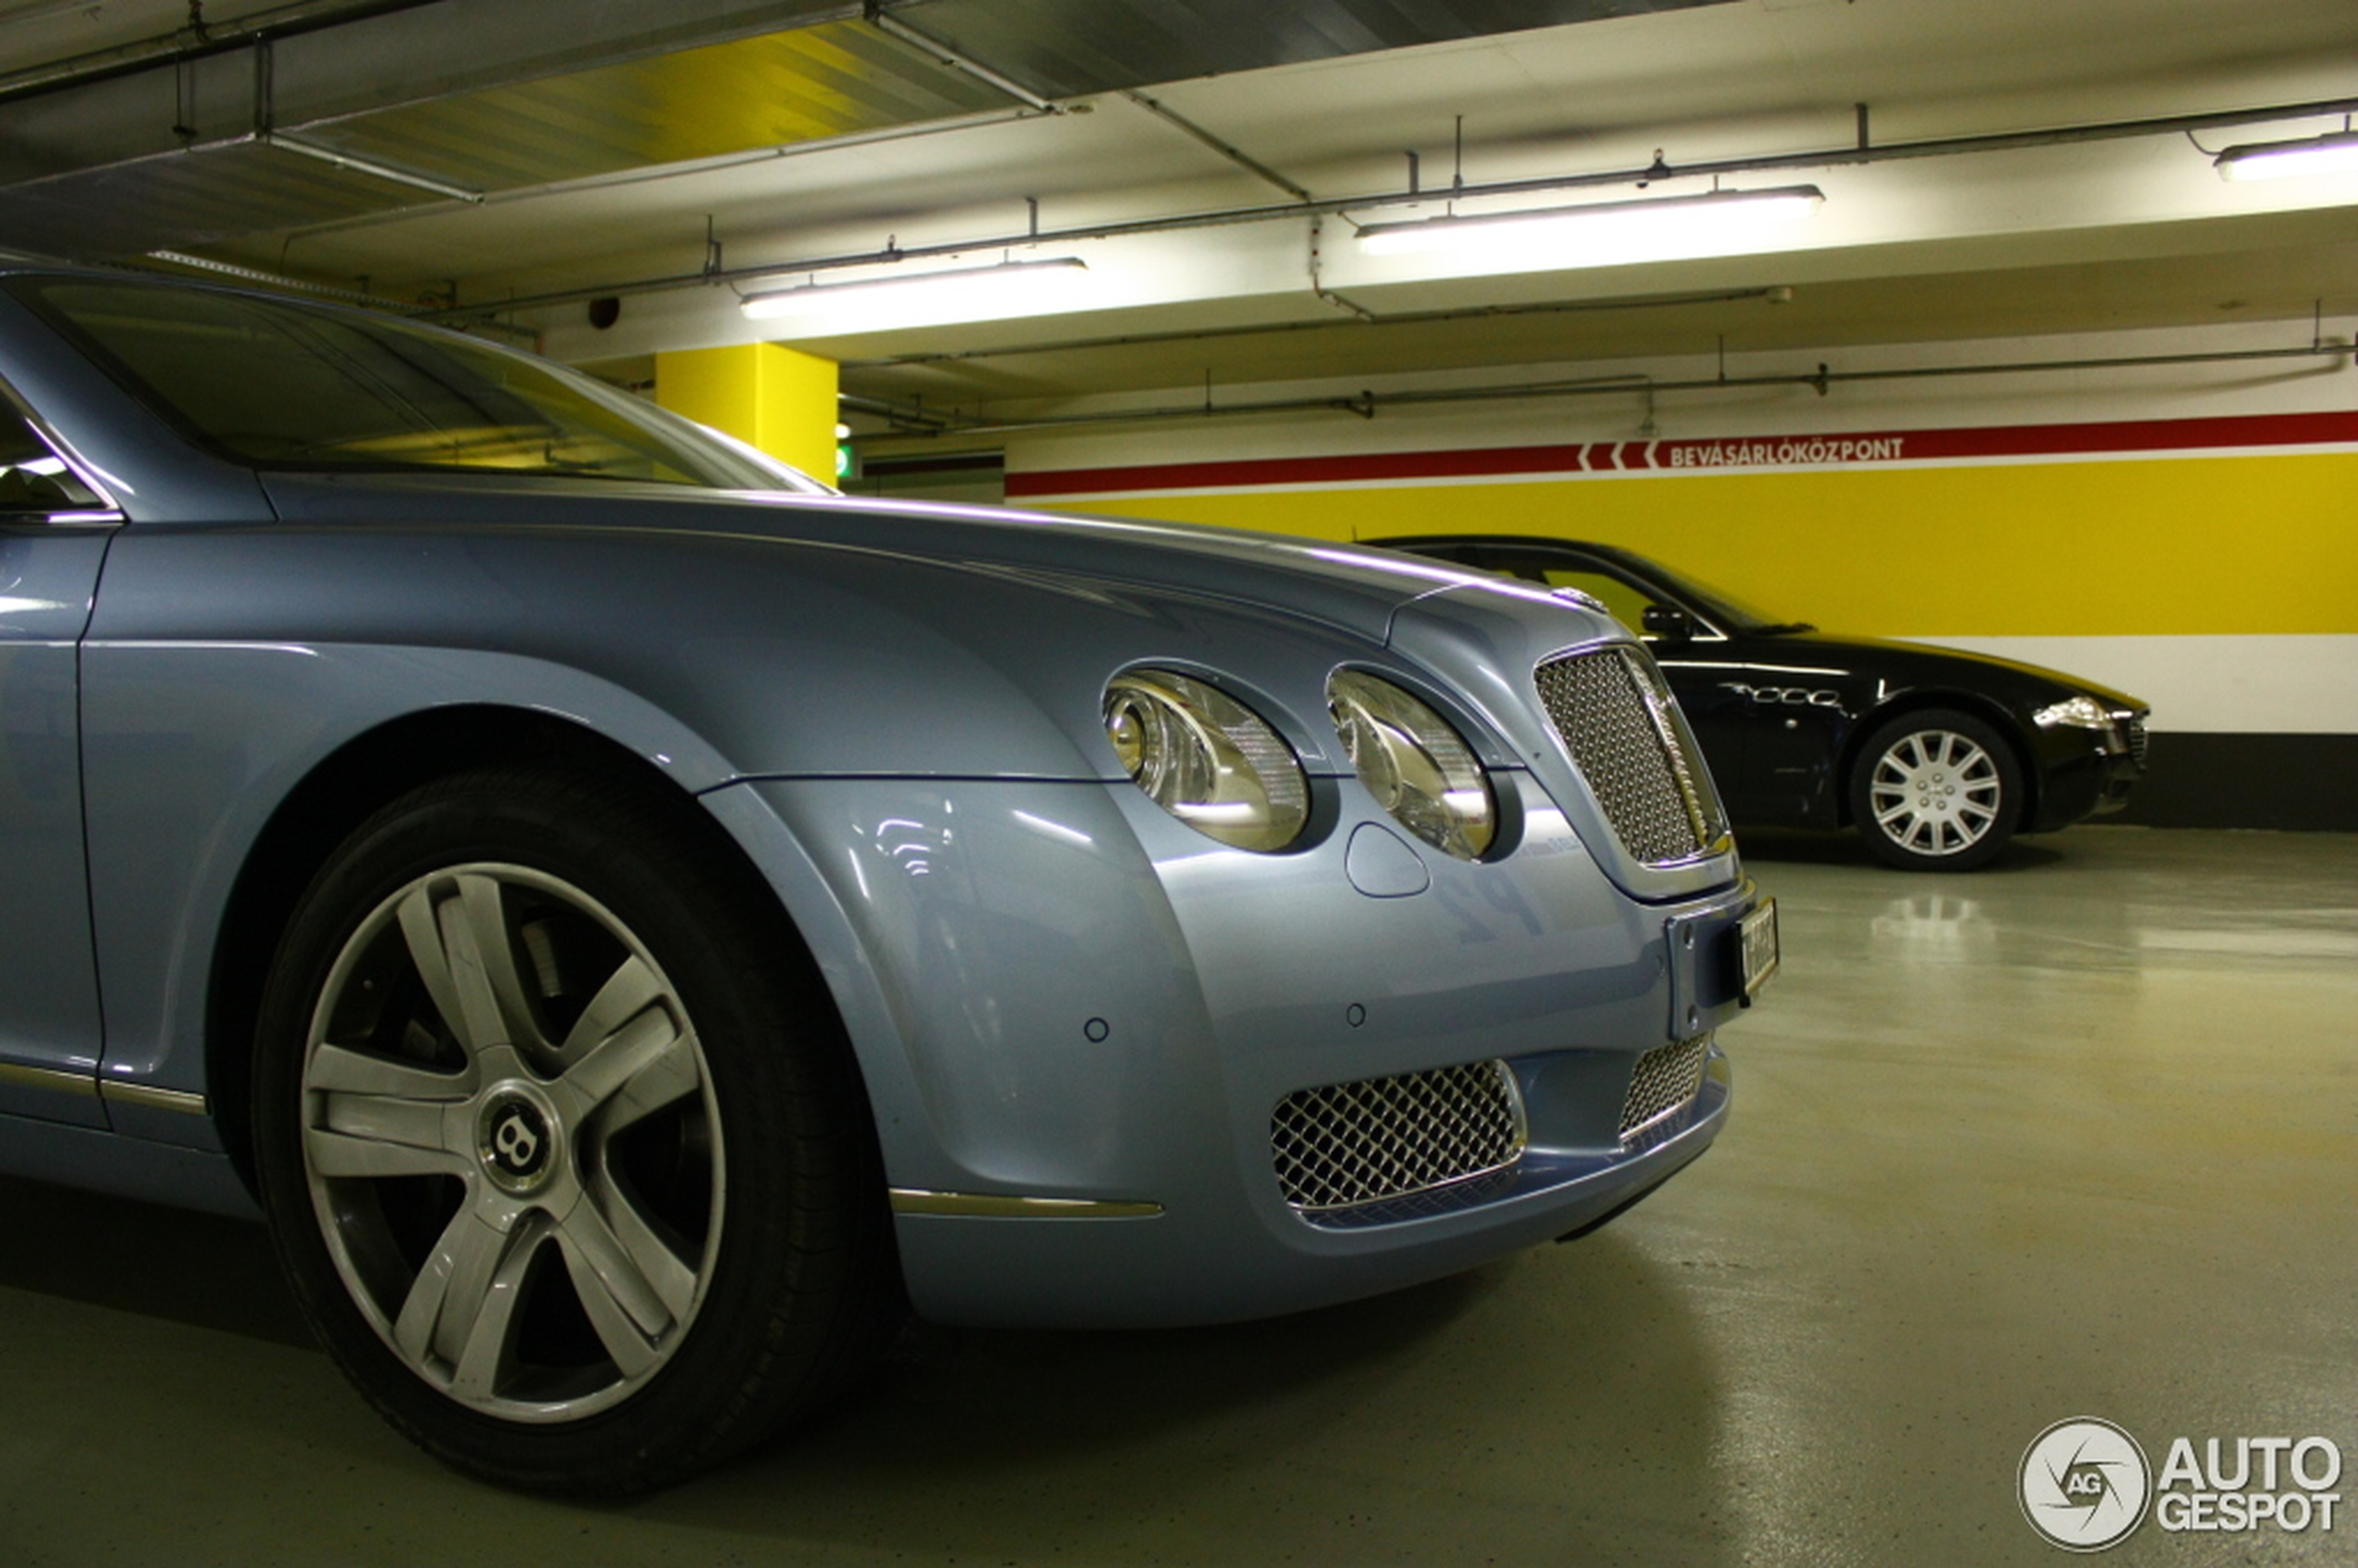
[1723, 608]
[287, 385]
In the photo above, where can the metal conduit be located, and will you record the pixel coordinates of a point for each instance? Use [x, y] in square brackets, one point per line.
[935, 422]
[196, 42]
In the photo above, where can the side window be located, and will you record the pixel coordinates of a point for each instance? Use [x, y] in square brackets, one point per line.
[1625, 603]
[33, 481]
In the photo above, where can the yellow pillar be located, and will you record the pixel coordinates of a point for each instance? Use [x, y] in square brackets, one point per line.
[775, 397]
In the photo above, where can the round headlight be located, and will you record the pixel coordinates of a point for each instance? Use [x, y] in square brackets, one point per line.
[1207, 759]
[1414, 764]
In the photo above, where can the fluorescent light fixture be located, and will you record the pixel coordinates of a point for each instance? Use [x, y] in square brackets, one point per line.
[920, 299]
[2335, 154]
[1602, 233]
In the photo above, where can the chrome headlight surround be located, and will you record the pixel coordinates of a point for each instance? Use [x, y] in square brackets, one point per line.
[1207, 759]
[1416, 765]
[2082, 712]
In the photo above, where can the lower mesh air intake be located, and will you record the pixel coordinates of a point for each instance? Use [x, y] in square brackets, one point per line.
[1382, 1138]
[1666, 1078]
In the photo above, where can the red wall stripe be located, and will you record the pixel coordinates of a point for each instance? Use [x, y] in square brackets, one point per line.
[1734, 452]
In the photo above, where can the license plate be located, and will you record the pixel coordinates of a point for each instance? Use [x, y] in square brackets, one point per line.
[1757, 943]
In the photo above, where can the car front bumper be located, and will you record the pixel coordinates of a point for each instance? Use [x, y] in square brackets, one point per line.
[2087, 773]
[1075, 1017]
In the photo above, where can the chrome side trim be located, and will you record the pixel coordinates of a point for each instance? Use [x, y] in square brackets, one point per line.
[1009, 1206]
[55, 1079]
[154, 1099]
[73, 519]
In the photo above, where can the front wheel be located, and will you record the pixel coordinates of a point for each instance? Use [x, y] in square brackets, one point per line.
[1936, 790]
[565, 1157]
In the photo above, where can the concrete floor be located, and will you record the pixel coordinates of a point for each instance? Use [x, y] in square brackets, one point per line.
[2078, 1135]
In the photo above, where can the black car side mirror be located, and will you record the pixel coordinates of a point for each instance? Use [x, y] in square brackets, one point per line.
[1668, 622]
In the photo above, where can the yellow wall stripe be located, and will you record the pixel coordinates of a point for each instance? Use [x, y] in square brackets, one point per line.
[2240, 544]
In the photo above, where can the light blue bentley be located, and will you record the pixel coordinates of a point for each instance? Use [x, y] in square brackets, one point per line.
[636, 922]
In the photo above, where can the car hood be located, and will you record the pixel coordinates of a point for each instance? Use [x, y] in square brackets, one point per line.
[1352, 590]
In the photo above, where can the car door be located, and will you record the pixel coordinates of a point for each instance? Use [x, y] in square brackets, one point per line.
[54, 529]
[1802, 708]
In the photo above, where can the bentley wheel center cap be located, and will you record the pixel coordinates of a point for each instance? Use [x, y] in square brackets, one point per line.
[517, 1139]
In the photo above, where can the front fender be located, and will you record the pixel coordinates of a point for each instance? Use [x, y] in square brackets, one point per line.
[188, 752]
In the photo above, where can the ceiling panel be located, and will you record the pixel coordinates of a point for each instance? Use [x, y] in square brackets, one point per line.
[1063, 48]
[488, 96]
[832, 80]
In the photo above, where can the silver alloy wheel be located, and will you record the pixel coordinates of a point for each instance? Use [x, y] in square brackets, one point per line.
[513, 1143]
[1935, 792]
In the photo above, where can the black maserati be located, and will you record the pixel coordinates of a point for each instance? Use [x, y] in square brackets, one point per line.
[1937, 756]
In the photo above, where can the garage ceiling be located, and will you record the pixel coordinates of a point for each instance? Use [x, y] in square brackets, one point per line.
[1201, 157]
[217, 124]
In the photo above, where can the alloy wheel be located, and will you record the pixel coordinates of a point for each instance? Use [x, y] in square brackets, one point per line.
[511, 1142]
[1935, 792]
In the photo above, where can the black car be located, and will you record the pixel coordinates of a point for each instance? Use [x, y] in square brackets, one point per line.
[1937, 756]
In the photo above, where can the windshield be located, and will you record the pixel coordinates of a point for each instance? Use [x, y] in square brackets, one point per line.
[1724, 608]
[286, 385]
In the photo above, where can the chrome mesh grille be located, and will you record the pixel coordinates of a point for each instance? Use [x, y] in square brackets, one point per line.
[1382, 1138]
[1666, 1078]
[1622, 731]
[2137, 741]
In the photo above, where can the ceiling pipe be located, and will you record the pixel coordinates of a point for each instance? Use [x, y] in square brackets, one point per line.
[1367, 404]
[283, 283]
[1223, 217]
[1241, 159]
[921, 422]
[283, 21]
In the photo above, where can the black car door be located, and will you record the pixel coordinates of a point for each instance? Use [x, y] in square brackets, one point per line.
[1796, 713]
[53, 536]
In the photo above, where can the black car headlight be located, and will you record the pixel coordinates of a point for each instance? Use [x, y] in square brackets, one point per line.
[1414, 764]
[1207, 759]
[2079, 713]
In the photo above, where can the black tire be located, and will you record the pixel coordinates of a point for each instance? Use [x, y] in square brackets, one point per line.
[1936, 790]
[629, 1240]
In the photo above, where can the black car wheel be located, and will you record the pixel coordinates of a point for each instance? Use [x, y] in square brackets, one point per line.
[565, 1160]
[1936, 790]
